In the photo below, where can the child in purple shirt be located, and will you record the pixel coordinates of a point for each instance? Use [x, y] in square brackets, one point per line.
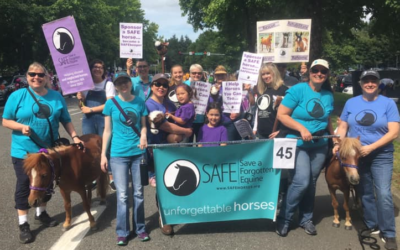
[185, 114]
[212, 130]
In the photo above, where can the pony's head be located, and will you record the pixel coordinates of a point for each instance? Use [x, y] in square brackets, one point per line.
[349, 153]
[41, 176]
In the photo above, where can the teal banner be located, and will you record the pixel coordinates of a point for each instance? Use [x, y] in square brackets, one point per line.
[205, 184]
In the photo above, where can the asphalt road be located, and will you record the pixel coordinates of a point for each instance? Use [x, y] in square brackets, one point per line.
[248, 234]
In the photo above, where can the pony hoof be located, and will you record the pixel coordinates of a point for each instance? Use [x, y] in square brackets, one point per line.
[94, 228]
[64, 229]
[337, 225]
[348, 227]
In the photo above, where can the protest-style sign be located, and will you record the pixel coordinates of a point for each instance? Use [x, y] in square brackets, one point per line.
[231, 96]
[250, 68]
[284, 153]
[130, 40]
[201, 95]
[68, 55]
[233, 182]
[284, 41]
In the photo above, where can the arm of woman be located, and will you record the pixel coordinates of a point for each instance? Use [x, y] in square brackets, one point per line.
[284, 116]
[106, 143]
[69, 127]
[143, 133]
[393, 132]
[175, 129]
[13, 125]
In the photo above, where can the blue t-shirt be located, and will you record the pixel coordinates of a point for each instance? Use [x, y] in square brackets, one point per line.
[23, 109]
[124, 139]
[311, 109]
[369, 120]
[164, 107]
[140, 88]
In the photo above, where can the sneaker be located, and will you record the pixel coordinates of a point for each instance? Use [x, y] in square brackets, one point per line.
[390, 243]
[25, 235]
[282, 229]
[152, 181]
[45, 219]
[309, 228]
[122, 241]
[112, 186]
[367, 232]
[144, 236]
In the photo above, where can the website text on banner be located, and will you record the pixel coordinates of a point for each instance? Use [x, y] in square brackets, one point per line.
[234, 182]
[284, 41]
[68, 55]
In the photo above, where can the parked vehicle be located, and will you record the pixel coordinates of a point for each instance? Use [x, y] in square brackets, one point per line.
[17, 82]
[343, 82]
[348, 90]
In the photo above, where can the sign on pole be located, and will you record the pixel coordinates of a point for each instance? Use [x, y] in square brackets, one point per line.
[69, 58]
[284, 41]
[131, 40]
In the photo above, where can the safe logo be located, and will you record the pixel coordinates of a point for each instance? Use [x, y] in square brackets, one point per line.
[63, 40]
[181, 177]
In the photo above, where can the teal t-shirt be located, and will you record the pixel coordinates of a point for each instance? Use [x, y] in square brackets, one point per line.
[140, 88]
[124, 140]
[311, 109]
[21, 108]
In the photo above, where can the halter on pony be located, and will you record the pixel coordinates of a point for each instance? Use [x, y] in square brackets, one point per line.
[342, 164]
[50, 188]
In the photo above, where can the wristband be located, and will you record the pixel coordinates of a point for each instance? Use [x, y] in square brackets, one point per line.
[74, 137]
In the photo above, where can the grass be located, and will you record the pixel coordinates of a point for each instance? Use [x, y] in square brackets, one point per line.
[340, 100]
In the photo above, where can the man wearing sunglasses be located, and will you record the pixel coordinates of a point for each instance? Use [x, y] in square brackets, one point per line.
[288, 81]
[141, 83]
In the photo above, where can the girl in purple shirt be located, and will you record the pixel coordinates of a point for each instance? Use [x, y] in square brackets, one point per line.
[212, 130]
[185, 114]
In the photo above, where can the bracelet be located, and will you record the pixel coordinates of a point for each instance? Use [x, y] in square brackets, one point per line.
[74, 137]
[91, 110]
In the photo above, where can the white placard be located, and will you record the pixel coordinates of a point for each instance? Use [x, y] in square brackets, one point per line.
[130, 40]
[284, 41]
[202, 93]
[284, 153]
[232, 96]
[249, 68]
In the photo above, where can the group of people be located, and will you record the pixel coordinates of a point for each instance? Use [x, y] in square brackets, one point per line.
[281, 106]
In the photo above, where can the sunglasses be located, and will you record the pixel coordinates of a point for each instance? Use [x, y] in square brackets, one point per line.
[196, 73]
[142, 67]
[323, 71]
[33, 74]
[370, 81]
[158, 84]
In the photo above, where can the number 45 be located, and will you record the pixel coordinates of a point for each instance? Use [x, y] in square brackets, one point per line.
[288, 154]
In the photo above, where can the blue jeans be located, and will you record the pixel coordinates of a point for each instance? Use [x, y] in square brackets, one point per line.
[93, 124]
[301, 192]
[122, 166]
[375, 192]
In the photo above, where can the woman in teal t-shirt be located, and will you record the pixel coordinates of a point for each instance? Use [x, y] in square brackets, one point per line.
[126, 155]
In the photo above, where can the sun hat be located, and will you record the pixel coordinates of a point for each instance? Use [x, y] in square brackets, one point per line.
[321, 62]
[120, 76]
[369, 73]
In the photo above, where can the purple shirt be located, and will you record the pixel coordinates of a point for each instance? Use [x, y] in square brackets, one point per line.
[216, 134]
[186, 112]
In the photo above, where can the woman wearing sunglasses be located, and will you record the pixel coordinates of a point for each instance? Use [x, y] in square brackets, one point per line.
[30, 132]
[375, 119]
[305, 112]
[159, 102]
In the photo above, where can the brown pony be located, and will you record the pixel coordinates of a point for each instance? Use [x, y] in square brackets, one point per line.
[267, 41]
[72, 170]
[341, 173]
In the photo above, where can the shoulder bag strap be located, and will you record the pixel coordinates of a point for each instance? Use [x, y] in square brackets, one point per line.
[128, 120]
[40, 107]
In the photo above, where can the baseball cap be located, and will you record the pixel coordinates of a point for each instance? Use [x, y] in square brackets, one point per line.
[369, 73]
[220, 70]
[321, 62]
[120, 76]
[160, 76]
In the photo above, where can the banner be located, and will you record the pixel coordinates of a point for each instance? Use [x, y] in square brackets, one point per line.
[130, 40]
[284, 41]
[200, 99]
[204, 184]
[250, 68]
[231, 96]
[68, 55]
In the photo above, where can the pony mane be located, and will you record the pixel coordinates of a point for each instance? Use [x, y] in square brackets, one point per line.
[60, 149]
[38, 161]
[349, 146]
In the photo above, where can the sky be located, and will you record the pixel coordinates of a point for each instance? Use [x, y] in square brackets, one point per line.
[168, 15]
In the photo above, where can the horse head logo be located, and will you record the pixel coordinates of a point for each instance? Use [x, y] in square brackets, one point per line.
[181, 177]
[366, 117]
[63, 40]
[131, 115]
[172, 96]
[315, 108]
[41, 111]
[263, 102]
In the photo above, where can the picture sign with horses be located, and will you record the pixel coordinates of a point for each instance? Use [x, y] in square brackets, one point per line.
[204, 184]
[68, 55]
[284, 41]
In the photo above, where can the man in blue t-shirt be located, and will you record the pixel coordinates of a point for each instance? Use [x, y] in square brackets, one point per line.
[141, 83]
